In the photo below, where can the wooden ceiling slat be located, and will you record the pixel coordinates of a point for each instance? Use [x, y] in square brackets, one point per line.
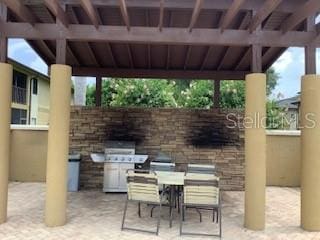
[91, 12]
[185, 66]
[231, 13]
[309, 8]
[266, 9]
[124, 13]
[195, 14]
[20, 10]
[57, 11]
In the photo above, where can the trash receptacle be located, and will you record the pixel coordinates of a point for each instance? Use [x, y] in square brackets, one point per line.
[73, 172]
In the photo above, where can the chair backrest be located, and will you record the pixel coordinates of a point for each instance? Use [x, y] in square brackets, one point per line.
[201, 189]
[167, 167]
[200, 168]
[143, 186]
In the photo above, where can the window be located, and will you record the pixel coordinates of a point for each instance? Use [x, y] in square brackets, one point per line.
[34, 86]
[19, 87]
[18, 116]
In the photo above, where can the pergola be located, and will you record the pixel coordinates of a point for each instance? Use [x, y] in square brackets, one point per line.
[195, 39]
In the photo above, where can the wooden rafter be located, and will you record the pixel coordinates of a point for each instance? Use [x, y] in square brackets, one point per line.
[311, 7]
[245, 56]
[195, 14]
[243, 25]
[87, 45]
[112, 55]
[185, 66]
[57, 11]
[22, 12]
[231, 14]
[130, 56]
[149, 46]
[124, 13]
[91, 12]
[205, 59]
[3, 39]
[73, 56]
[161, 14]
[266, 9]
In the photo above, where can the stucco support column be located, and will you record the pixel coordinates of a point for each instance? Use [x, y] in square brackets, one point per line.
[255, 151]
[5, 119]
[58, 145]
[310, 152]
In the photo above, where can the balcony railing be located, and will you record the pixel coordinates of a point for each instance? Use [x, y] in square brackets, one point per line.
[19, 95]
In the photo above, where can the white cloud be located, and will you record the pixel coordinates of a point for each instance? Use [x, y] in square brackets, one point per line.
[16, 46]
[39, 65]
[20, 51]
[284, 61]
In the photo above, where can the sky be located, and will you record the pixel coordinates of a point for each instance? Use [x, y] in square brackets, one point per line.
[290, 66]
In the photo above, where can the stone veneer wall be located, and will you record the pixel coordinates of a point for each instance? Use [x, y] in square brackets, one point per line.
[191, 136]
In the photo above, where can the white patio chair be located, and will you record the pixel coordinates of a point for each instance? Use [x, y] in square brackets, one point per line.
[201, 191]
[142, 188]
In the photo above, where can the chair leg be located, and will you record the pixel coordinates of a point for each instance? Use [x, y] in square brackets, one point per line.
[139, 209]
[151, 213]
[124, 214]
[181, 217]
[159, 219]
[199, 214]
[220, 222]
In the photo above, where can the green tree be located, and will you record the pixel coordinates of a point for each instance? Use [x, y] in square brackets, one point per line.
[232, 94]
[199, 94]
[275, 116]
[272, 80]
[143, 93]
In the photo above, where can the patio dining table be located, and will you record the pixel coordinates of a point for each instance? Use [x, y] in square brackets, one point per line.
[172, 179]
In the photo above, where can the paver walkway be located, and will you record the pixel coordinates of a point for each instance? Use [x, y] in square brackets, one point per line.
[93, 215]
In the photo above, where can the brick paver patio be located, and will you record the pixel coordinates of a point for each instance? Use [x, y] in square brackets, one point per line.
[95, 215]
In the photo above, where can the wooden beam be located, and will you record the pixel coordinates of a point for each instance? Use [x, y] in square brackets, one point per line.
[231, 14]
[310, 60]
[22, 12]
[256, 60]
[124, 13]
[311, 7]
[150, 35]
[61, 50]
[57, 11]
[98, 91]
[195, 14]
[161, 14]
[216, 96]
[91, 12]
[149, 73]
[267, 8]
